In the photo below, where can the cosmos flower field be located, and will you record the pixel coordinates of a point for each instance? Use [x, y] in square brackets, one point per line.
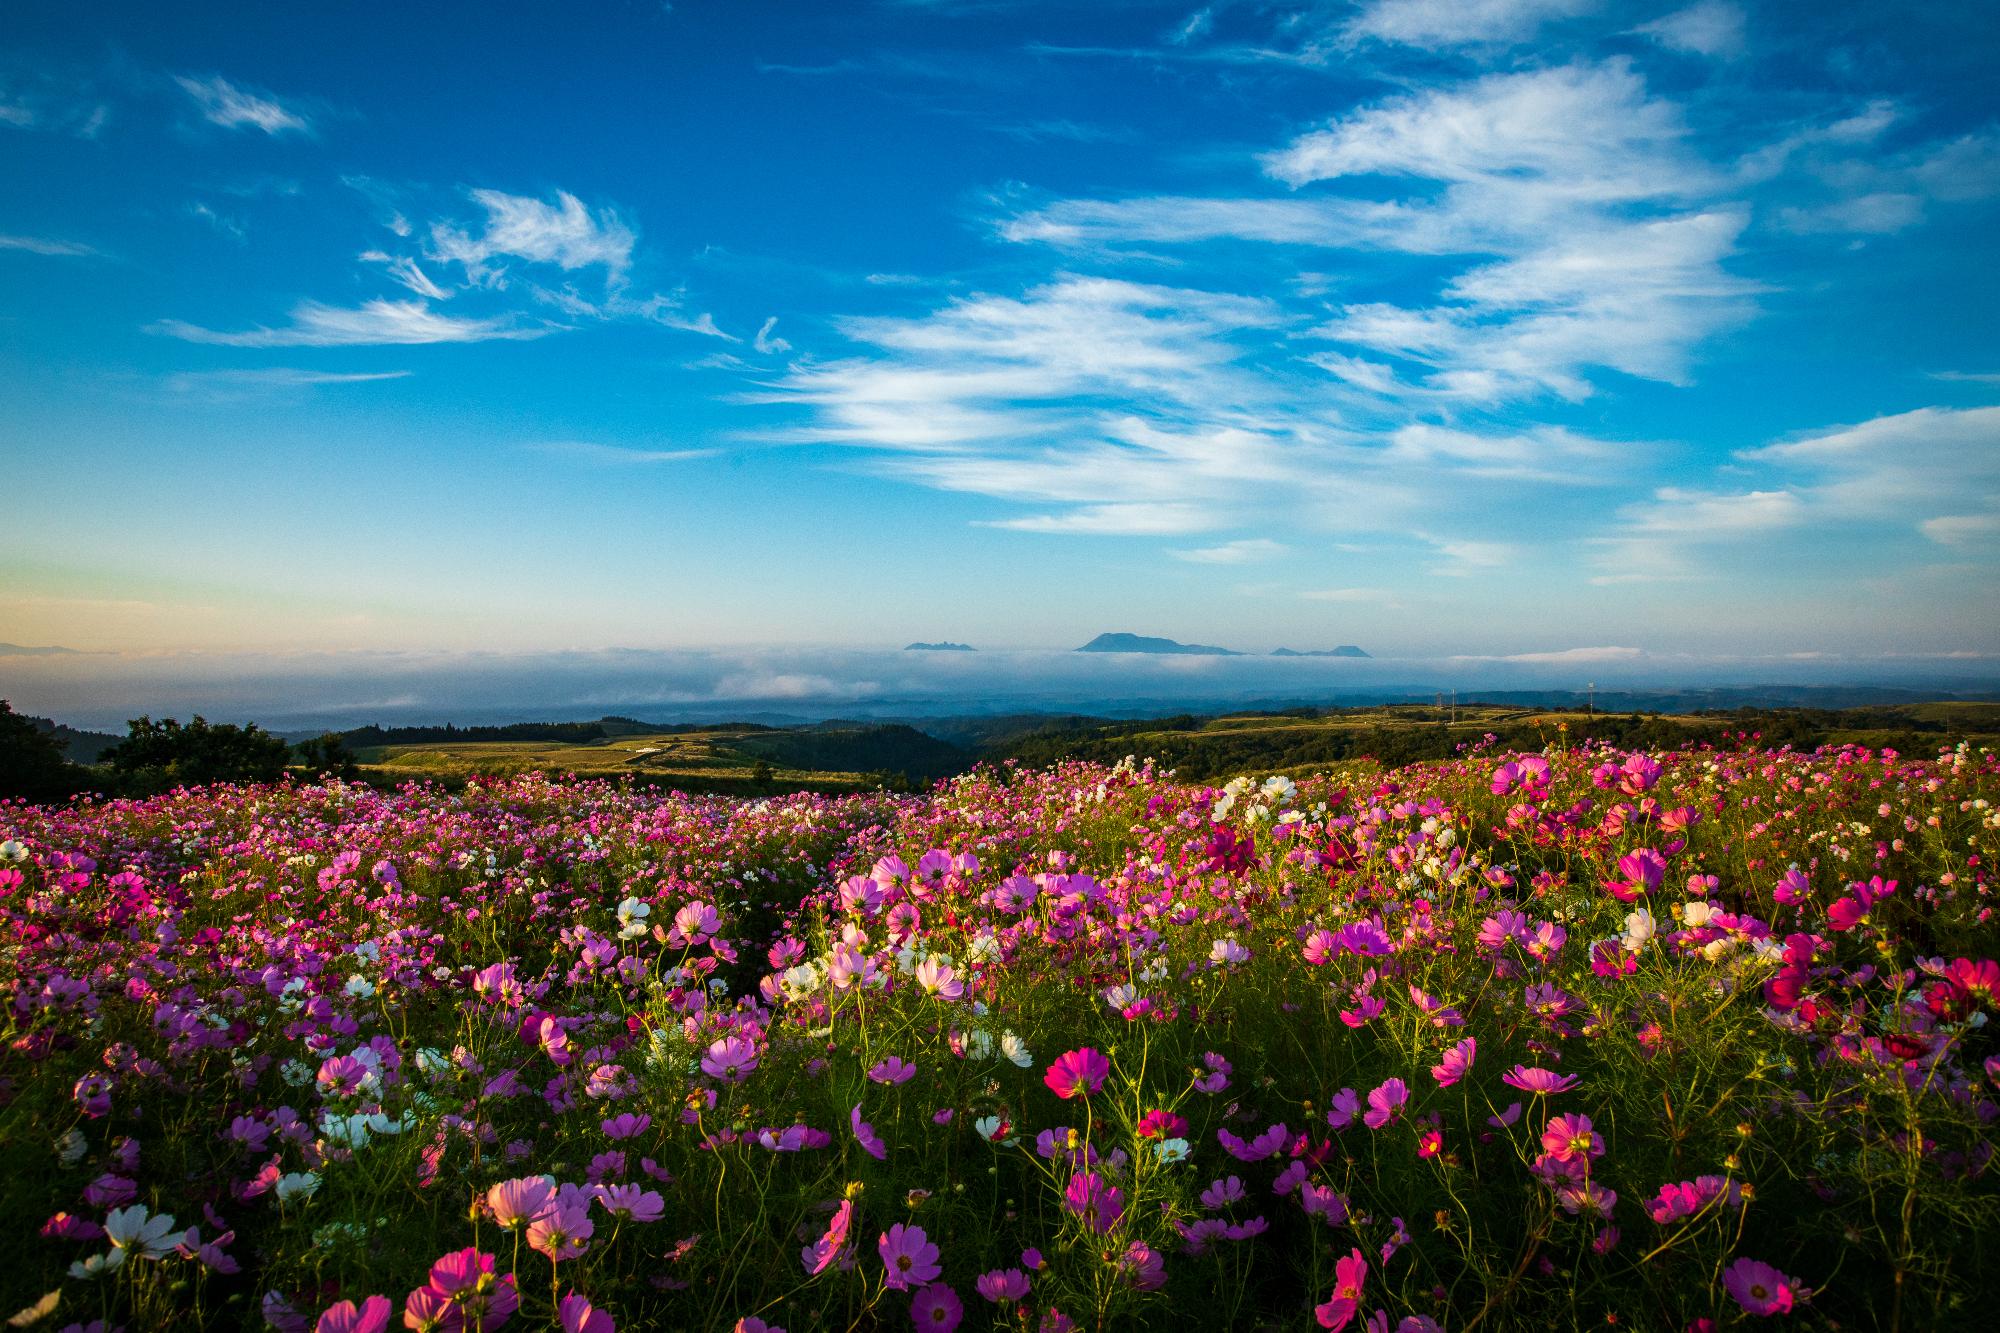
[1578, 1039]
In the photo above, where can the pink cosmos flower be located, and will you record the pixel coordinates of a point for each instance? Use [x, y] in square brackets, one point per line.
[895, 1069]
[752, 1324]
[936, 1309]
[1221, 1192]
[1759, 1288]
[465, 1280]
[1002, 1285]
[1456, 1064]
[1318, 947]
[580, 1316]
[1346, 1105]
[428, 1310]
[1217, 1077]
[627, 1126]
[343, 1076]
[1541, 1082]
[730, 1058]
[1349, 1276]
[823, 1253]
[1143, 1266]
[908, 1255]
[632, 1203]
[1386, 1103]
[865, 1135]
[1080, 1072]
[1569, 1135]
[372, 1316]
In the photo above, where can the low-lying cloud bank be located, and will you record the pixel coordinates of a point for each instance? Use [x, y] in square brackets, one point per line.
[294, 691]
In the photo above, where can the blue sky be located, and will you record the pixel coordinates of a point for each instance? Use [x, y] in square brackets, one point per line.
[1491, 327]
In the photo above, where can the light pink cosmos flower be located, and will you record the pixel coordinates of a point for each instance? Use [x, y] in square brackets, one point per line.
[562, 1232]
[1077, 1073]
[895, 1069]
[908, 1255]
[936, 1309]
[518, 1203]
[1456, 1064]
[1541, 1082]
[632, 1203]
[938, 979]
[580, 1316]
[731, 1058]
[1386, 1103]
[371, 1316]
[1002, 1285]
[1759, 1288]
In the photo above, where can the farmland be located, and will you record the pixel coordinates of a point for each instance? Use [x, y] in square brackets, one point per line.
[1564, 1037]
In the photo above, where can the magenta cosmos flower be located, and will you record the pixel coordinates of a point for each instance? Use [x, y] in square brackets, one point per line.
[1079, 1072]
[1456, 1064]
[1002, 1285]
[1385, 1103]
[895, 1069]
[372, 1316]
[865, 1135]
[936, 1309]
[1571, 1135]
[1758, 1287]
[908, 1255]
[1348, 1276]
[580, 1316]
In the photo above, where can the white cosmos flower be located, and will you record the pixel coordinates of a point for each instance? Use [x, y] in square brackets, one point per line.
[1639, 927]
[1697, 914]
[297, 1184]
[98, 1265]
[1170, 1151]
[1013, 1048]
[133, 1229]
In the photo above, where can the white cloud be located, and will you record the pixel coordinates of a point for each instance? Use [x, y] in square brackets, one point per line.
[43, 245]
[564, 233]
[1450, 23]
[373, 323]
[1463, 558]
[1868, 214]
[1710, 28]
[1244, 552]
[612, 455]
[768, 343]
[1962, 529]
[406, 273]
[1901, 467]
[1546, 454]
[223, 103]
[276, 377]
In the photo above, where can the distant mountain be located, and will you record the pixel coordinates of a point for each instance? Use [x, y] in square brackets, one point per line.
[25, 650]
[940, 648]
[79, 747]
[1345, 650]
[1140, 643]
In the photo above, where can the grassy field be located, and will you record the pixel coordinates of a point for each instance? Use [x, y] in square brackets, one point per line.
[724, 759]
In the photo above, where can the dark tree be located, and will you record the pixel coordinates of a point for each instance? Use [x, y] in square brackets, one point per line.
[326, 754]
[32, 766]
[158, 756]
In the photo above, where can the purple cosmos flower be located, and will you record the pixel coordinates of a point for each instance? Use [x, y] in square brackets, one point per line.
[908, 1256]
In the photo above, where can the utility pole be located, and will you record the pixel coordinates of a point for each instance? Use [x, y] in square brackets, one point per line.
[1592, 709]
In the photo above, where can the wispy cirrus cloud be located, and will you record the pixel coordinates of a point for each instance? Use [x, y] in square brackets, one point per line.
[274, 377]
[1250, 550]
[373, 323]
[223, 103]
[1453, 23]
[48, 245]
